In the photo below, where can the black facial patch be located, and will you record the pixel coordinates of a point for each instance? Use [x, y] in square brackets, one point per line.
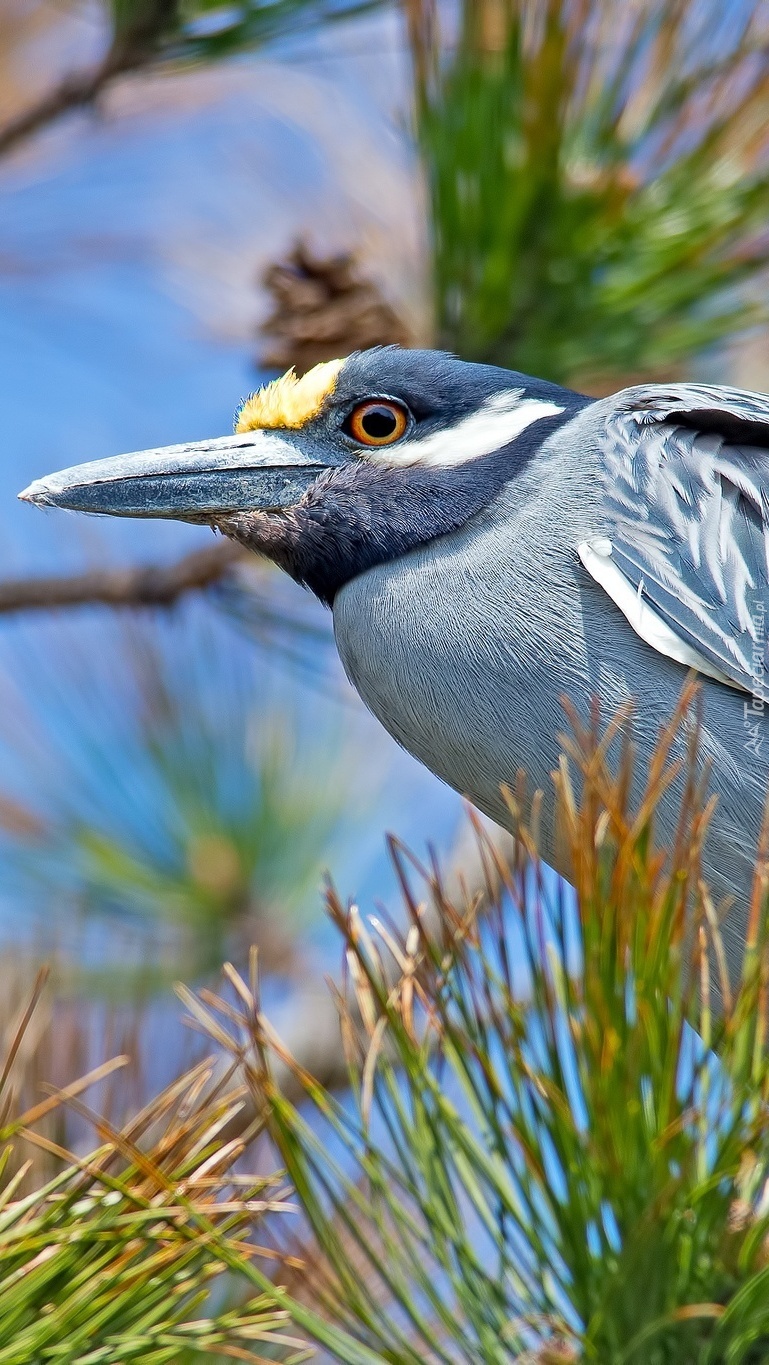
[360, 514]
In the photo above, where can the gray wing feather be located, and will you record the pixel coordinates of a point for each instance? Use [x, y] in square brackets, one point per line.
[687, 497]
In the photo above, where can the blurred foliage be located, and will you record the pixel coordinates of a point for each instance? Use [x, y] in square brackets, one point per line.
[206, 30]
[162, 784]
[598, 180]
[290, 626]
[142, 33]
[116, 1258]
[210, 29]
[543, 1162]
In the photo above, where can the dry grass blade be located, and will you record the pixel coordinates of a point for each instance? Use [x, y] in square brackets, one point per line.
[19, 1031]
[114, 1260]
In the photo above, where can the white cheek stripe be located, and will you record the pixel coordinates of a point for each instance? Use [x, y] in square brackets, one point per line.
[596, 557]
[497, 422]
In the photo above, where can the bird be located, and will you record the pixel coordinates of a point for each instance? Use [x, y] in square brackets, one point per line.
[490, 543]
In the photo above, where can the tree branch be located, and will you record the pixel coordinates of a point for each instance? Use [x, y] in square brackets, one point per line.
[146, 585]
[134, 45]
[72, 93]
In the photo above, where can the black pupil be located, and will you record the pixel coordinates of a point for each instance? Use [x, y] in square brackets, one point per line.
[379, 422]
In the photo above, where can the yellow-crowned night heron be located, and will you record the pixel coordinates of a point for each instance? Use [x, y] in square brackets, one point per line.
[489, 542]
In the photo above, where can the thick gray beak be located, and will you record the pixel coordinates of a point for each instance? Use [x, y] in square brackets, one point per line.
[258, 469]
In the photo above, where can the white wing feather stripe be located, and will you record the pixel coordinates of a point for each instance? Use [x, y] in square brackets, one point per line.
[644, 619]
[686, 498]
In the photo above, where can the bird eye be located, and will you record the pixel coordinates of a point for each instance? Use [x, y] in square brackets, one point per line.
[378, 422]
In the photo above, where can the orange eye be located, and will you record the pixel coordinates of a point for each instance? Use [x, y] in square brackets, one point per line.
[378, 422]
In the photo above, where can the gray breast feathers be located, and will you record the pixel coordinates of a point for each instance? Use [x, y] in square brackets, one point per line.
[685, 554]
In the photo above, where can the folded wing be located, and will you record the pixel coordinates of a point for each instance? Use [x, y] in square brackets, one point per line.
[685, 553]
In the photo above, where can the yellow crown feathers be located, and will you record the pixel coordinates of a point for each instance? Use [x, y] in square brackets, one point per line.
[290, 401]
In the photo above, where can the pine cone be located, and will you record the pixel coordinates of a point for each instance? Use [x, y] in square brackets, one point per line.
[323, 309]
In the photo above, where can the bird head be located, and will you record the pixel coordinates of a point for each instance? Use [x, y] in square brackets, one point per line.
[353, 464]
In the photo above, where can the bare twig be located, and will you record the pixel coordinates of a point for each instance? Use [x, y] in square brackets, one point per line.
[145, 585]
[74, 92]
